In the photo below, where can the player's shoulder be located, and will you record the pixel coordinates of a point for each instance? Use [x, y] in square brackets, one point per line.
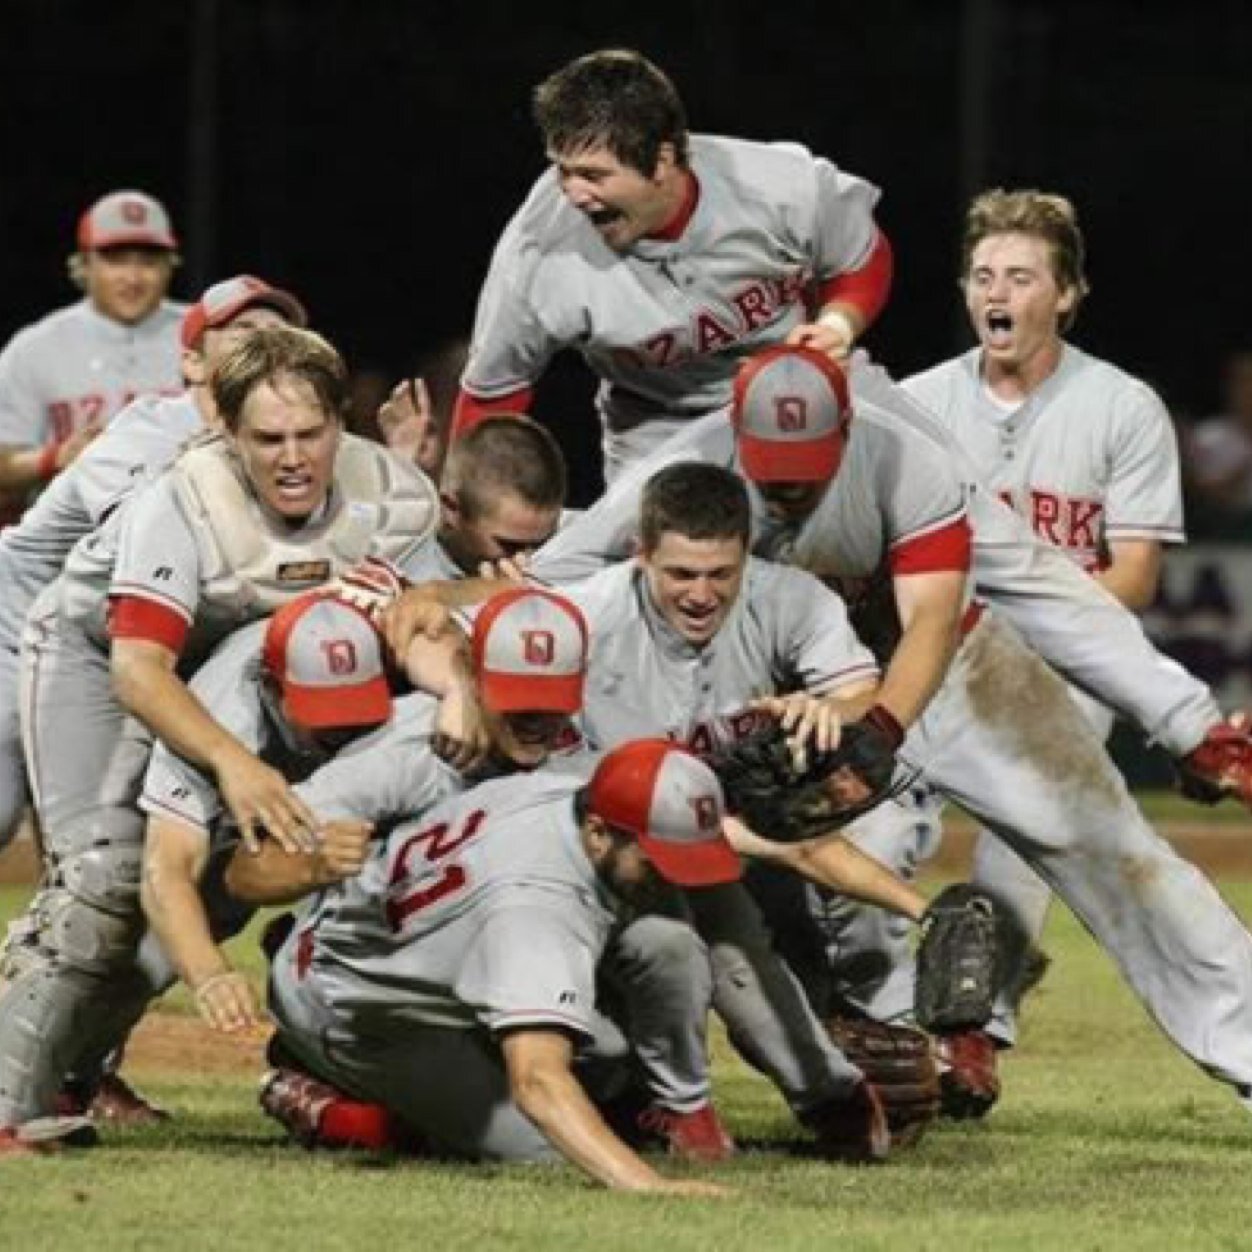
[934, 386]
[233, 668]
[165, 319]
[1102, 386]
[69, 321]
[544, 224]
[749, 159]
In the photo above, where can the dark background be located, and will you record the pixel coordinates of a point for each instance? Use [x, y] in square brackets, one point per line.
[367, 154]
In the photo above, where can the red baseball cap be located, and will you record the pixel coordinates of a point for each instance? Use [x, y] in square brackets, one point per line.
[326, 657]
[224, 301]
[125, 217]
[530, 653]
[672, 803]
[790, 411]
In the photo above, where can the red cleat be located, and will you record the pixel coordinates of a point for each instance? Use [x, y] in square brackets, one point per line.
[1222, 765]
[853, 1129]
[695, 1136]
[318, 1115]
[969, 1081]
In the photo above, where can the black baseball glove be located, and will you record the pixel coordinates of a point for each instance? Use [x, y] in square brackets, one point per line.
[764, 787]
[960, 961]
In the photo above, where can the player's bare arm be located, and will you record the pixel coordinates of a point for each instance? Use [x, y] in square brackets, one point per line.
[257, 796]
[424, 609]
[174, 859]
[544, 1088]
[1134, 572]
[831, 861]
[442, 667]
[278, 875]
[930, 607]
[408, 426]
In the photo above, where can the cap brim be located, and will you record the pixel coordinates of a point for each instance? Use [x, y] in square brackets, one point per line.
[338, 708]
[528, 693]
[126, 239]
[800, 461]
[704, 864]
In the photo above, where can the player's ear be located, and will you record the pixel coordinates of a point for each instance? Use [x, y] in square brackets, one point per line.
[666, 161]
[195, 368]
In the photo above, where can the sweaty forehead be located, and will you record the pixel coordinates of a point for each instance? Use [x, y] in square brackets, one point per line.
[282, 404]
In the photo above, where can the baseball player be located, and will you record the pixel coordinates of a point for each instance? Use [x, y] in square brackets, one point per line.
[694, 640]
[665, 258]
[530, 654]
[501, 497]
[1086, 453]
[454, 978]
[138, 442]
[280, 504]
[882, 502]
[62, 378]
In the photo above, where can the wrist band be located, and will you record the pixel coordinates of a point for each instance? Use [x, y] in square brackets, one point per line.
[838, 321]
[885, 721]
[46, 467]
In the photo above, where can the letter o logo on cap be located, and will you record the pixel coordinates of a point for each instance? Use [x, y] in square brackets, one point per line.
[134, 213]
[706, 811]
[538, 647]
[340, 656]
[791, 413]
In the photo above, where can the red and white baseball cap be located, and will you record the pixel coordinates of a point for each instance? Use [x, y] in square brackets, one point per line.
[327, 659]
[125, 217]
[530, 653]
[790, 412]
[672, 803]
[224, 301]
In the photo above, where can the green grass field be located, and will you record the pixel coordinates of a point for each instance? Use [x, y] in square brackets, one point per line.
[1106, 1139]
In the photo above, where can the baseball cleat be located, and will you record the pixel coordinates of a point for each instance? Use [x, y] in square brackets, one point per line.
[695, 1136]
[852, 1129]
[42, 1136]
[118, 1103]
[1222, 765]
[317, 1115]
[969, 1081]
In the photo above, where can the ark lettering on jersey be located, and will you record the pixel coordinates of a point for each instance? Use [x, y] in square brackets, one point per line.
[706, 737]
[755, 305]
[1067, 521]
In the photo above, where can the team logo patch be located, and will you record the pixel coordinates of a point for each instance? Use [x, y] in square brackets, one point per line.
[791, 413]
[340, 656]
[705, 808]
[303, 572]
[134, 213]
[538, 647]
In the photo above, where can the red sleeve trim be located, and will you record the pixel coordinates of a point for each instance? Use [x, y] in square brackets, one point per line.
[132, 617]
[948, 548]
[867, 287]
[470, 410]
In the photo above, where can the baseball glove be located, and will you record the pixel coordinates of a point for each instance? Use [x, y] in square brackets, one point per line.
[899, 1063]
[960, 962]
[764, 787]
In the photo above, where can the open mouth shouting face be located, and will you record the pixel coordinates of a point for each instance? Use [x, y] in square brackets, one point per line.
[1014, 300]
[621, 203]
[286, 443]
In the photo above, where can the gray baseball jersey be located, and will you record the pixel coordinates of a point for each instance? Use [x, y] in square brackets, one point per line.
[1090, 456]
[666, 325]
[76, 366]
[486, 911]
[139, 441]
[785, 632]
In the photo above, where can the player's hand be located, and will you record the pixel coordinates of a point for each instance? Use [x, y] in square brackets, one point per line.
[70, 449]
[413, 613]
[260, 799]
[694, 1187]
[342, 849]
[834, 340]
[408, 426]
[227, 1002]
[513, 569]
[460, 736]
[809, 723]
